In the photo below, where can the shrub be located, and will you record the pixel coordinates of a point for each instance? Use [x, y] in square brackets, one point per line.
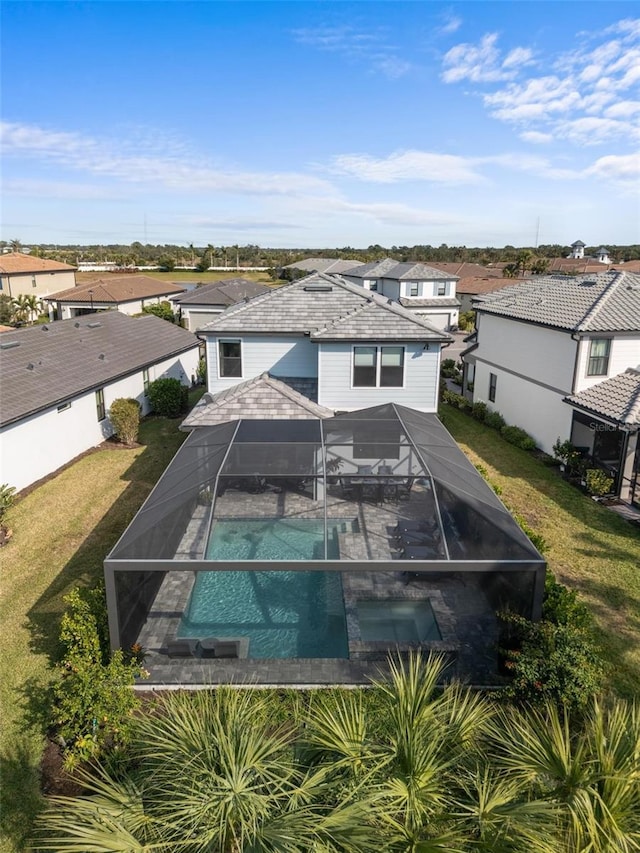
[162, 310]
[466, 320]
[599, 483]
[479, 410]
[569, 456]
[495, 420]
[456, 400]
[517, 436]
[552, 662]
[93, 700]
[124, 415]
[201, 372]
[7, 497]
[562, 606]
[167, 397]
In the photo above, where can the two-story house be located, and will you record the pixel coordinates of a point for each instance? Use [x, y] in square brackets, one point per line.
[542, 344]
[26, 275]
[128, 294]
[428, 292]
[342, 346]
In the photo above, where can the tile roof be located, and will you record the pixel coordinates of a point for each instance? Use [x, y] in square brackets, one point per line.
[125, 288]
[465, 269]
[474, 286]
[225, 292]
[434, 302]
[617, 398]
[15, 263]
[334, 265]
[608, 302]
[43, 365]
[327, 308]
[388, 268]
[261, 397]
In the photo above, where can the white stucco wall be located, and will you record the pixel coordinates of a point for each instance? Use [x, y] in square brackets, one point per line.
[42, 443]
[70, 309]
[196, 318]
[335, 375]
[279, 355]
[45, 283]
[624, 352]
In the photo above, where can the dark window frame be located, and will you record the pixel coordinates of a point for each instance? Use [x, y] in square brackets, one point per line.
[101, 410]
[229, 366]
[493, 384]
[598, 365]
[377, 375]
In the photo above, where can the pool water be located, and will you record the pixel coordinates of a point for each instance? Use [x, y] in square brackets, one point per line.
[275, 539]
[284, 614]
[397, 621]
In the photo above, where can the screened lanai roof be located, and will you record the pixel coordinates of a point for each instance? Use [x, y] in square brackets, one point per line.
[400, 444]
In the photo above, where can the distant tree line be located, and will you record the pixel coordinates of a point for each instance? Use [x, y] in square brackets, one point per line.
[170, 256]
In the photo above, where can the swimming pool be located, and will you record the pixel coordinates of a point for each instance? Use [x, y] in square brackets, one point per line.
[275, 538]
[397, 621]
[284, 614]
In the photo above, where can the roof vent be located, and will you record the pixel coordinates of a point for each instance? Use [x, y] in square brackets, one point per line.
[318, 288]
[93, 325]
[45, 328]
[102, 356]
[31, 366]
[9, 344]
[587, 283]
[77, 325]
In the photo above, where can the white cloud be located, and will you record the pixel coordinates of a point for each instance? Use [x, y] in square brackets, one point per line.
[369, 47]
[518, 56]
[595, 131]
[127, 161]
[535, 137]
[623, 109]
[451, 23]
[407, 166]
[478, 63]
[623, 168]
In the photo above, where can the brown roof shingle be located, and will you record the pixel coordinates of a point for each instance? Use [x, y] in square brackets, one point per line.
[126, 288]
[17, 263]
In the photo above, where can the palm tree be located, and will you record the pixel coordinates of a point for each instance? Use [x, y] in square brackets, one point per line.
[589, 773]
[211, 254]
[24, 308]
[210, 772]
[15, 244]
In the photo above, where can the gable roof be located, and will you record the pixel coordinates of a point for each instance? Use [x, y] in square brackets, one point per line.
[608, 302]
[17, 263]
[327, 308]
[125, 288]
[44, 365]
[617, 398]
[388, 268]
[334, 265]
[226, 292]
[261, 397]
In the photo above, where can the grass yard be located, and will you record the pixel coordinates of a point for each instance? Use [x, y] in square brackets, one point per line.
[182, 275]
[64, 528]
[591, 549]
[61, 533]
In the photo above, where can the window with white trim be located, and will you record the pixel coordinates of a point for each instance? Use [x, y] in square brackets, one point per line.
[599, 349]
[414, 288]
[378, 367]
[230, 356]
[493, 384]
[441, 288]
[100, 407]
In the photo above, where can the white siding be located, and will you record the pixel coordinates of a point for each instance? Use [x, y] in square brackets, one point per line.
[196, 318]
[420, 390]
[279, 356]
[42, 443]
[624, 352]
[70, 309]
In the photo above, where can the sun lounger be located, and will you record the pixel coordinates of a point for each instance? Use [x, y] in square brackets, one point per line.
[222, 647]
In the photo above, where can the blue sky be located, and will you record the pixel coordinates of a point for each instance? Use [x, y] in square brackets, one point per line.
[321, 124]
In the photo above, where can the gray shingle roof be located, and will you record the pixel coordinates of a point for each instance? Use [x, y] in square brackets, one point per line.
[316, 305]
[261, 397]
[608, 302]
[225, 292]
[388, 268]
[617, 399]
[416, 302]
[42, 366]
[334, 265]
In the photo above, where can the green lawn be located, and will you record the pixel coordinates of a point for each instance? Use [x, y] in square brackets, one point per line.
[182, 275]
[591, 549]
[63, 530]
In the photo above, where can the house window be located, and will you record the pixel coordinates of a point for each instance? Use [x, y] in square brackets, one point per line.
[34, 283]
[413, 288]
[64, 406]
[230, 353]
[378, 367]
[599, 357]
[442, 288]
[471, 375]
[373, 285]
[493, 381]
[100, 409]
[145, 381]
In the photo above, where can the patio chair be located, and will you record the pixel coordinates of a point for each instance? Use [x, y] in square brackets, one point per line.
[180, 648]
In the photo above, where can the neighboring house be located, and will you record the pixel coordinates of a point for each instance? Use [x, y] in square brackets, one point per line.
[204, 303]
[542, 340]
[27, 275]
[326, 265]
[426, 291]
[357, 347]
[59, 379]
[602, 255]
[128, 294]
[473, 280]
[577, 249]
